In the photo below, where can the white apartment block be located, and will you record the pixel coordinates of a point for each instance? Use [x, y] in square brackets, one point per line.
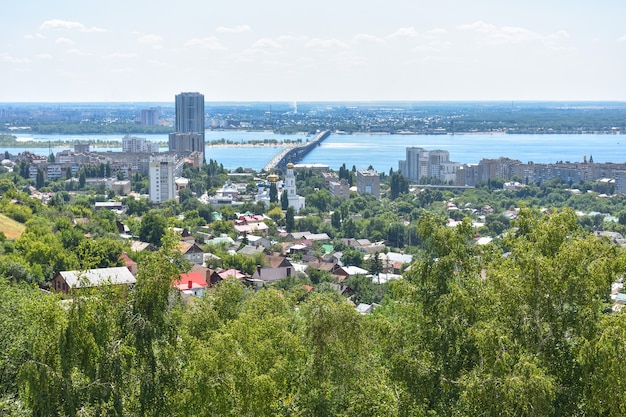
[421, 163]
[162, 178]
[133, 144]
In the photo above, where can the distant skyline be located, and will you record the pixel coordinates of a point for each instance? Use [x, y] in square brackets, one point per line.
[346, 50]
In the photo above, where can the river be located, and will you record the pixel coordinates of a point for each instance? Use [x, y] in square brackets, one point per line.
[384, 151]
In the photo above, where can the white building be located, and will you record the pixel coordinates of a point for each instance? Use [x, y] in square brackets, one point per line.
[295, 201]
[162, 178]
[421, 163]
[289, 186]
[133, 144]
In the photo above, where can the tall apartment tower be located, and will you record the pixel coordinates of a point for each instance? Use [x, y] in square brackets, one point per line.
[162, 176]
[189, 135]
[150, 117]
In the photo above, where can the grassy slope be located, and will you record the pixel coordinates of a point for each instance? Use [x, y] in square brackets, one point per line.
[10, 227]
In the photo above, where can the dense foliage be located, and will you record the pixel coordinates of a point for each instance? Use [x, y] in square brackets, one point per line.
[520, 329]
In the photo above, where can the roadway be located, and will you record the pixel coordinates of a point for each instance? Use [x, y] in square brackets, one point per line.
[296, 153]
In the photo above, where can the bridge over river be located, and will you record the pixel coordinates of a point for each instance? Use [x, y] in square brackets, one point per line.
[295, 154]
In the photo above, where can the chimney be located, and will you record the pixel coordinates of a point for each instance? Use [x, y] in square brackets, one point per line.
[189, 284]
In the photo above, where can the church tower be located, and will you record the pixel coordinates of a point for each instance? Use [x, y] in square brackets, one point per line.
[295, 200]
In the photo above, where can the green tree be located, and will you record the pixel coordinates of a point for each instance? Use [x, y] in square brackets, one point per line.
[399, 185]
[284, 200]
[40, 179]
[374, 264]
[152, 228]
[335, 219]
[290, 222]
[273, 193]
[82, 178]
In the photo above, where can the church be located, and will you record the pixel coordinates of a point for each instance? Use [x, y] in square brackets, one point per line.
[289, 186]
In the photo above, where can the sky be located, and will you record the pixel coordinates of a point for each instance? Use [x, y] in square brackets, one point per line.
[322, 50]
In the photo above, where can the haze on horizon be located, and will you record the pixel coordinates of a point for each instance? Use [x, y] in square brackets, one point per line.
[245, 50]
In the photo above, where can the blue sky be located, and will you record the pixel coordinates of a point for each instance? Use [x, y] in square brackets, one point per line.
[323, 50]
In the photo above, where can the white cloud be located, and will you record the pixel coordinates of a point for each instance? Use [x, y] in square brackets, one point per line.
[120, 55]
[292, 38]
[494, 35]
[435, 46]
[209, 43]
[13, 60]
[325, 43]
[44, 56]
[66, 24]
[78, 52]
[409, 32]
[437, 31]
[266, 43]
[150, 39]
[65, 41]
[35, 36]
[622, 39]
[234, 29]
[364, 37]
[125, 70]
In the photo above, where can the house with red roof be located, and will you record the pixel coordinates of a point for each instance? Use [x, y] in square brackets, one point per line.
[192, 283]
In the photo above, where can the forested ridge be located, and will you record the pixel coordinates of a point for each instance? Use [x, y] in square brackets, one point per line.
[523, 328]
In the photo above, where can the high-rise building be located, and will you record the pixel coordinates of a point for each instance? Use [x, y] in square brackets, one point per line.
[189, 113]
[149, 117]
[423, 164]
[189, 135]
[162, 184]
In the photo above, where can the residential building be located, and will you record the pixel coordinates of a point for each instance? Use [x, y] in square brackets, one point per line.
[162, 180]
[368, 182]
[133, 144]
[192, 283]
[81, 147]
[149, 117]
[192, 252]
[339, 189]
[424, 165]
[66, 281]
[189, 135]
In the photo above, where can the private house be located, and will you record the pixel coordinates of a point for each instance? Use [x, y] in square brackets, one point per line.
[259, 241]
[211, 277]
[68, 281]
[192, 284]
[346, 272]
[247, 225]
[250, 250]
[393, 262]
[277, 268]
[317, 237]
[192, 252]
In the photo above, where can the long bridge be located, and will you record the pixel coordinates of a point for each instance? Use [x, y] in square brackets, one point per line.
[295, 154]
